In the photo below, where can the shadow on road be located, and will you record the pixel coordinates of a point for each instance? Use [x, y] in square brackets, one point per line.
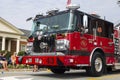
[113, 72]
[71, 75]
[67, 75]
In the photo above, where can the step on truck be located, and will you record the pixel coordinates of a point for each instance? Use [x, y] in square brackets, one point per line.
[72, 39]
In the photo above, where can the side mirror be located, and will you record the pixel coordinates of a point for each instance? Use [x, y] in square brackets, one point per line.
[85, 21]
[38, 24]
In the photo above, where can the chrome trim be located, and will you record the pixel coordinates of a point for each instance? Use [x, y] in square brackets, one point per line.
[78, 65]
[98, 64]
[109, 64]
[93, 52]
[47, 54]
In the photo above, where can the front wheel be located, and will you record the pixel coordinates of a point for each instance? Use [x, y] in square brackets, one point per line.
[58, 70]
[97, 65]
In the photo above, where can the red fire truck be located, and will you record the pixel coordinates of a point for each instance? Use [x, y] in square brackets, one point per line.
[72, 39]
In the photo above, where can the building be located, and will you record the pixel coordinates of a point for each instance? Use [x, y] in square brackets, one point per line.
[12, 38]
[117, 27]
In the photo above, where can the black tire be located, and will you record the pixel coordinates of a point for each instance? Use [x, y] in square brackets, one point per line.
[97, 65]
[58, 70]
[109, 69]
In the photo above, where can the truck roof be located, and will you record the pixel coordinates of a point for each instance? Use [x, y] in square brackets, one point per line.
[65, 11]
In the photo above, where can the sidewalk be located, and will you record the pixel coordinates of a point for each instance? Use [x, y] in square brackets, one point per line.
[21, 70]
[16, 70]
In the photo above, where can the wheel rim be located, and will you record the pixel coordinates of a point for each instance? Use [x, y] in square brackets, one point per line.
[98, 64]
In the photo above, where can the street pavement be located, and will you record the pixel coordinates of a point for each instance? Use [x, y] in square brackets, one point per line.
[47, 75]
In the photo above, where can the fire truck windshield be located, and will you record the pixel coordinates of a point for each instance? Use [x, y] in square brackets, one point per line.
[54, 23]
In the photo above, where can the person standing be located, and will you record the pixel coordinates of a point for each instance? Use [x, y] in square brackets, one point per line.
[35, 69]
[13, 59]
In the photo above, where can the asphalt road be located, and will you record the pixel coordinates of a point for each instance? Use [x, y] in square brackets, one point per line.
[47, 75]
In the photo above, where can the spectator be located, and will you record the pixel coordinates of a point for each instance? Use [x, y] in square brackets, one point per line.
[3, 61]
[13, 59]
[35, 68]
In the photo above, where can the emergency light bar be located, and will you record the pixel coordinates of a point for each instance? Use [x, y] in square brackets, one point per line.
[73, 6]
[52, 11]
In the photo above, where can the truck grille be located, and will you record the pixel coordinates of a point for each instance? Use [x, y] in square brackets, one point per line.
[45, 44]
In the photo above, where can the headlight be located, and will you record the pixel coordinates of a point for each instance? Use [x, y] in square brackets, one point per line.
[29, 47]
[66, 42]
[30, 44]
[60, 41]
[62, 44]
[39, 32]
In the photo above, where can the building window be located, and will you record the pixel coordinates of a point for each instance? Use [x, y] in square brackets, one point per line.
[23, 47]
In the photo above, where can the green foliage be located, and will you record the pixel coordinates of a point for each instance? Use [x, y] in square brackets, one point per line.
[8, 54]
[20, 66]
[3, 51]
[21, 53]
[10, 66]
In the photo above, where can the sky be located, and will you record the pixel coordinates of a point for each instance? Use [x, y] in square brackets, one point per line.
[17, 11]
